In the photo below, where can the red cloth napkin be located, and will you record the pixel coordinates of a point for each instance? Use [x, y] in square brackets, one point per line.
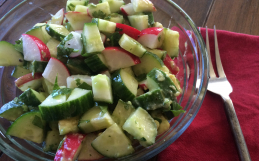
[209, 137]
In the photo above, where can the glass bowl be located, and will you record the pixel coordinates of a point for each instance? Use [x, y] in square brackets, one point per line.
[192, 61]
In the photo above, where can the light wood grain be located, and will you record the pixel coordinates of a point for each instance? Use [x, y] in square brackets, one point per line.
[198, 10]
[240, 16]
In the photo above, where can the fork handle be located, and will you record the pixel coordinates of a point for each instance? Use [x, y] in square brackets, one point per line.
[236, 129]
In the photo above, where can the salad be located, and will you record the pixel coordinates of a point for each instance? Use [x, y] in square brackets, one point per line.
[97, 80]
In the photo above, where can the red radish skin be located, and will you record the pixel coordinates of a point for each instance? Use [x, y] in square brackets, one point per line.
[27, 78]
[143, 85]
[130, 31]
[70, 147]
[88, 13]
[123, 12]
[151, 37]
[170, 64]
[42, 51]
[117, 58]
[56, 68]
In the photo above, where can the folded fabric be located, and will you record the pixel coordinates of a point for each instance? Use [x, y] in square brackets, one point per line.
[209, 137]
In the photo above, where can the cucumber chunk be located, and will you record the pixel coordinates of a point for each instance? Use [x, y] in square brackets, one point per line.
[58, 32]
[79, 81]
[171, 42]
[100, 10]
[91, 39]
[32, 98]
[142, 126]
[58, 108]
[157, 79]
[139, 22]
[152, 100]
[148, 62]
[52, 44]
[8, 55]
[68, 125]
[87, 152]
[104, 25]
[132, 45]
[19, 71]
[32, 127]
[160, 53]
[102, 90]
[13, 109]
[39, 31]
[72, 4]
[78, 66]
[95, 119]
[113, 143]
[114, 5]
[115, 17]
[124, 85]
[96, 63]
[47, 86]
[121, 112]
[52, 141]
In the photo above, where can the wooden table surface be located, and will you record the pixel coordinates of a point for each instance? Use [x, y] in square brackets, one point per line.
[240, 16]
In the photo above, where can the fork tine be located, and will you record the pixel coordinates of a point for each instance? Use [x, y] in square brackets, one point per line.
[218, 61]
[212, 73]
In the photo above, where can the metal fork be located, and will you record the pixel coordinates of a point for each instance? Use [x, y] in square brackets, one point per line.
[222, 87]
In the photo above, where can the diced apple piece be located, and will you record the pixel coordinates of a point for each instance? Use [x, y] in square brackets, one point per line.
[70, 147]
[170, 64]
[117, 58]
[151, 37]
[143, 6]
[29, 81]
[34, 49]
[78, 19]
[130, 31]
[88, 152]
[58, 18]
[56, 68]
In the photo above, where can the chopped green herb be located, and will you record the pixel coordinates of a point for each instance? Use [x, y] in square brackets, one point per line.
[142, 139]
[99, 14]
[104, 109]
[62, 91]
[159, 38]
[18, 46]
[83, 85]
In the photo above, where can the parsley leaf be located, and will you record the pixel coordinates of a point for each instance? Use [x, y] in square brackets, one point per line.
[113, 39]
[82, 85]
[142, 139]
[99, 14]
[104, 109]
[62, 91]
[63, 51]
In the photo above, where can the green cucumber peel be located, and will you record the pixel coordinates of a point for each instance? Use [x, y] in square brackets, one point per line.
[82, 85]
[37, 122]
[18, 46]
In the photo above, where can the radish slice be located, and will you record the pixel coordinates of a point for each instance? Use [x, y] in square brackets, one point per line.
[70, 147]
[127, 9]
[103, 37]
[130, 31]
[56, 68]
[170, 64]
[151, 37]
[117, 58]
[143, 85]
[58, 17]
[75, 43]
[34, 49]
[29, 81]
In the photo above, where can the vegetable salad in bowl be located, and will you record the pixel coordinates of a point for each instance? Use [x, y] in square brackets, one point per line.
[96, 80]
